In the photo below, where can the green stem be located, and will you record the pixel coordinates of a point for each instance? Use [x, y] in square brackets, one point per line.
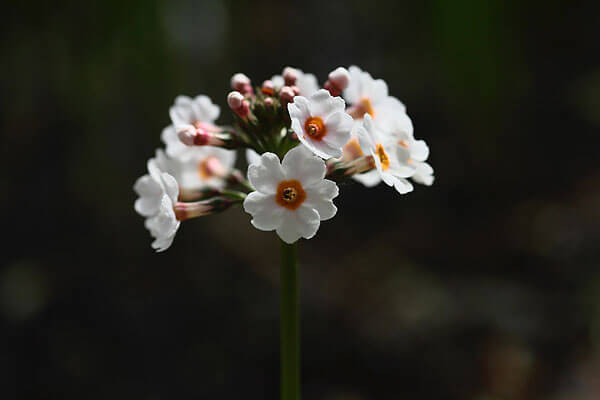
[290, 323]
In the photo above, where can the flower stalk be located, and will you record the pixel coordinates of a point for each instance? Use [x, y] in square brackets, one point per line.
[290, 323]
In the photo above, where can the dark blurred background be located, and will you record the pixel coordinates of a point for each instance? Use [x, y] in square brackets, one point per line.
[485, 286]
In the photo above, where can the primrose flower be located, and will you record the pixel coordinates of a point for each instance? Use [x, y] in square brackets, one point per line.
[207, 167]
[366, 95]
[292, 197]
[389, 156]
[412, 152]
[321, 123]
[195, 115]
[158, 193]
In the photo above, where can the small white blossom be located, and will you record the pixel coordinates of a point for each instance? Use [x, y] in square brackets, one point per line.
[413, 152]
[190, 114]
[158, 193]
[370, 96]
[206, 167]
[321, 123]
[291, 197]
[391, 159]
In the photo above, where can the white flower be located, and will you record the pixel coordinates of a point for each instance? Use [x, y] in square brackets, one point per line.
[292, 197]
[321, 123]
[200, 113]
[306, 83]
[370, 96]
[252, 157]
[206, 167]
[390, 157]
[413, 152]
[158, 193]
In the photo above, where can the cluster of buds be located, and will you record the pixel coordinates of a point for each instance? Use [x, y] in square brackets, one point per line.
[299, 138]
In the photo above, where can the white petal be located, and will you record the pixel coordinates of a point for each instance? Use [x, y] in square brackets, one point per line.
[147, 186]
[299, 163]
[321, 148]
[147, 206]
[320, 198]
[299, 109]
[419, 151]
[171, 187]
[338, 125]
[369, 179]
[266, 175]
[267, 215]
[288, 231]
[252, 157]
[307, 84]
[322, 104]
[308, 221]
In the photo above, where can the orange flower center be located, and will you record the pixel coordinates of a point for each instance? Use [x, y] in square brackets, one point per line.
[209, 167]
[352, 149]
[290, 194]
[367, 107]
[315, 128]
[383, 157]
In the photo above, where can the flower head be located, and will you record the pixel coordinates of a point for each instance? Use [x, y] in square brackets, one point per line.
[370, 96]
[291, 197]
[158, 193]
[207, 167]
[388, 155]
[321, 123]
[190, 116]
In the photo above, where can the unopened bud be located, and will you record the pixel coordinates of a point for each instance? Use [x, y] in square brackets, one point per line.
[269, 102]
[238, 104]
[296, 90]
[197, 136]
[338, 81]
[287, 94]
[186, 134]
[268, 87]
[290, 75]
[239, 80]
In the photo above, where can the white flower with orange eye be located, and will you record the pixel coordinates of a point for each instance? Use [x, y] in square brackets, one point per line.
[306, 83]
[158, 193]
[198, 113]
[366, 95]
[207, 167]
[412, 152]
[391, 161]
[292, 197]
[321, 123]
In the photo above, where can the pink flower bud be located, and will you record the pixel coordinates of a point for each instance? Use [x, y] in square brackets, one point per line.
[238, 104]
[186, 134]
[235, 100]
[296, 90]
[339, 77]
[287, 94]
[269, 102]
[290, 75]
[239, 81]
[268, 87]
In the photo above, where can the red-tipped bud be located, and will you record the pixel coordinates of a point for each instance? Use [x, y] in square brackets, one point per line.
[290, 75]
[238, 104]
[186, 134]
[286, 94]
[198, 136]
[268, 87]
[269, 102]
[338, 81]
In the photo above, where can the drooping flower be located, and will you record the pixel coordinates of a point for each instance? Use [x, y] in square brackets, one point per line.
[291, 197]
[187, 114]
[321, 123]
[389, 156]
[207, 167]
[366, 95]
[158, 193]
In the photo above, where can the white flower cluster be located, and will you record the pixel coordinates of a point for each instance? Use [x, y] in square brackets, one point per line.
[296, 135]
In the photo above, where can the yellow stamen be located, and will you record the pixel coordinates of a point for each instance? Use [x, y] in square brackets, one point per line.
[383, 157]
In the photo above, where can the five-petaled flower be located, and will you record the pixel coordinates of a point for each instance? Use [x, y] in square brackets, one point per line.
[291, 197]
[187, 114]
[158, 193]
[389, 156]
[321, 123]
